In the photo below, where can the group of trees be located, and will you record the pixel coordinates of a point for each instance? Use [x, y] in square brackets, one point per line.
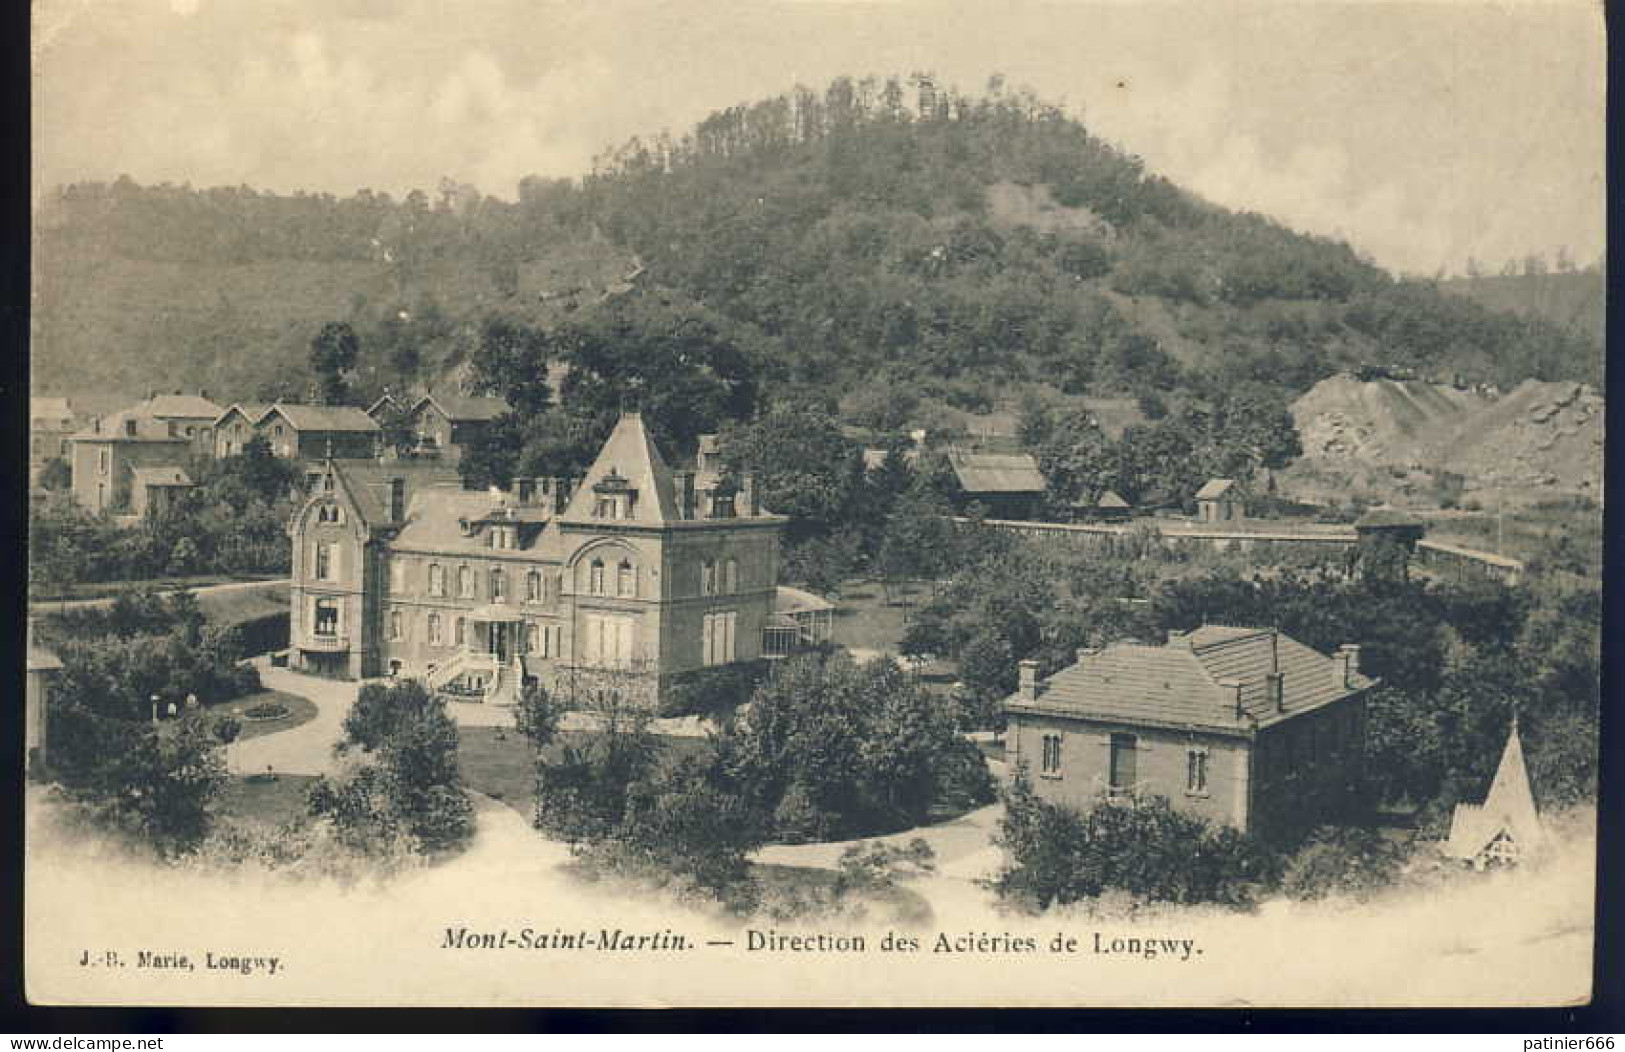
[234, 521]
[856, 232]
[111, 745]
[1238, 431]
[402, 792]
[829, 749]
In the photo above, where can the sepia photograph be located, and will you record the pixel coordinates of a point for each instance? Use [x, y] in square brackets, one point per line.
[814, 503]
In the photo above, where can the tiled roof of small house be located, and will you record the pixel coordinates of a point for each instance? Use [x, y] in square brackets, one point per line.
[1213, 489]
[179, 405]
[325, 417]
[114, 428]
[1178, 684]
[253, 412]
[1108, 501]
[466, 408]
[996, 472]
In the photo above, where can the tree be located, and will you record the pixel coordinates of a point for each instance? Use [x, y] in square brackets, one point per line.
[55, 475]
[333, 353]
[803, 466]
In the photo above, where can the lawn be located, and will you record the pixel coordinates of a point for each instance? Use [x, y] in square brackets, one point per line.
[299, 709]
[269, 803]
[504, 769]
[110, 589]
[867, 619]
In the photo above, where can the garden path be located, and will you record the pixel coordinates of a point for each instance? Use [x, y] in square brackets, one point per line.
[307, 748]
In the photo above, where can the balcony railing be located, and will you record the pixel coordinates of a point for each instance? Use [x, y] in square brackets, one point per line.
[325, 644]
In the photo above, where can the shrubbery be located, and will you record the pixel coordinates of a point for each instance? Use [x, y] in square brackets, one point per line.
[1057, 855]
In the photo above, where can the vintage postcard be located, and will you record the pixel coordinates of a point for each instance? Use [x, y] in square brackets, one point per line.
[814, 504]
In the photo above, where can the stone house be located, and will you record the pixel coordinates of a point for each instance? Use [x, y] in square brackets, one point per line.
[1244, 727]
[236, 427]
[1220, 500]
[1008, 485]
[444, 425]
[108, 454]
[316, 432]
[638, 571]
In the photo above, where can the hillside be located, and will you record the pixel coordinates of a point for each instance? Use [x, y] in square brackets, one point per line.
[1575, 301]
[1539, 441]
[876, 232]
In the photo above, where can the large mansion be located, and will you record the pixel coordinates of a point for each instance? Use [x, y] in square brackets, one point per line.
[637, 570]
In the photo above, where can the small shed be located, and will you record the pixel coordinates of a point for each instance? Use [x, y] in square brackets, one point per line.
[1106, 506]
[1220, 500]
[1505, 829]
[1402, 527]
[1009, 485]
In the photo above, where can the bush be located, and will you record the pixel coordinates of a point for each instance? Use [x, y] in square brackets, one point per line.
[712, 692]
[268, 710]
[1342, 861]
[1057, 854]
[798, 820]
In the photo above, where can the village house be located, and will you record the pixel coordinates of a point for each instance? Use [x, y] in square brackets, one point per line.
[1220, 500]
[639, 570]
[50, 432]
[1244, 727]
[1102, 506]
[187, 416]
[236, 427]
[1008, 485]
[316, 432]
[1505, 829]
[444, 425]
[108, 454]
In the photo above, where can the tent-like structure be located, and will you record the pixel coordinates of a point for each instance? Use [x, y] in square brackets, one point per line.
[1505, 828]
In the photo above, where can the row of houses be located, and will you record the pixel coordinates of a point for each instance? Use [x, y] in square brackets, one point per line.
[135, 460]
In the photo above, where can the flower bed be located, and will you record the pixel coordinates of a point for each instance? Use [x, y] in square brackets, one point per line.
[266, 712]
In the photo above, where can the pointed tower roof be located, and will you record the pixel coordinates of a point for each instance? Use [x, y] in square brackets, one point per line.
[1508, 808]
[629, 460]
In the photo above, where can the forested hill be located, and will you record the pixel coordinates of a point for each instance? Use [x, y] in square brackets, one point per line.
[891, 231]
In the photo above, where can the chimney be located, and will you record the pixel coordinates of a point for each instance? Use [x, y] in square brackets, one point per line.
[1085, 653]
[129, 427]
[203, 393]
[397, 499]
[749, 498]
[1178, 639]
[1345, 665]
[1275, 690]
[525, 490]
[1027, 679]
[683, 483]
[1232, 687]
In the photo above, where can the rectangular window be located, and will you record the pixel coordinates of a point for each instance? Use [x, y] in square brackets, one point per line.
[397, 575]
[397, 630]
[1052, 755]
[717, 638]
[533, 587]
[1196, 771]
[609, 640]
[1122, 763]
[327, 617]
[323, 569]
[104, 460]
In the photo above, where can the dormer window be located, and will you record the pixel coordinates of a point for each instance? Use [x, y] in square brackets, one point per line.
[329, 515]
[614, 497]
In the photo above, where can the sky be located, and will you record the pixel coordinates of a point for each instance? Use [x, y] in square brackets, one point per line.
[1424, 134]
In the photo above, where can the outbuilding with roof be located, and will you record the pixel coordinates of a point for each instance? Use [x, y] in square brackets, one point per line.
[1246, 727]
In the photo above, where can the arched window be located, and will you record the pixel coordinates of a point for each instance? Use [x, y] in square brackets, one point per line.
[595, 577]
[533, 586]
[499, 585]
[730, 583]
[437, 579]
[465, 582]
[434, 630]
[626, 579]
[708, 578]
